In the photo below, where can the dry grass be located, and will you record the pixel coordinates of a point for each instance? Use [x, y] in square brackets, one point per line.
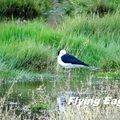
[104, 88]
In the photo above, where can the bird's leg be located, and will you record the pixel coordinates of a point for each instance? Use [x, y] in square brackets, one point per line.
[69, 74]
[68, 79]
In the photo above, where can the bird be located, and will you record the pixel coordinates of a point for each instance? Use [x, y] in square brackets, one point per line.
[69, 61]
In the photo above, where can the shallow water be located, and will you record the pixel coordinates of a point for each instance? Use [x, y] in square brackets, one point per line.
[23, 89]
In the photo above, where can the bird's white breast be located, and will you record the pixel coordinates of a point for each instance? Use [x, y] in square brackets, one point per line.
[65, 65]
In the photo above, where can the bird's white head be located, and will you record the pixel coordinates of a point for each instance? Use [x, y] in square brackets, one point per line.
[61, 52]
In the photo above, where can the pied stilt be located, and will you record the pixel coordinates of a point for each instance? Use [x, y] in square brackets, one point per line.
[69, 61]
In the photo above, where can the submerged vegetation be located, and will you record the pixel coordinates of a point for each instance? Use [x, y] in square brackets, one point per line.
[93, 110]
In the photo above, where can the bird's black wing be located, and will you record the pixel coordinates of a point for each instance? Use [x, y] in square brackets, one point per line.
[67, 58]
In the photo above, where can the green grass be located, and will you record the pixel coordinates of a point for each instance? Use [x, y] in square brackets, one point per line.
[100, 37]
[33, 45]
[99, 7]
[30, 9]
[24, 9]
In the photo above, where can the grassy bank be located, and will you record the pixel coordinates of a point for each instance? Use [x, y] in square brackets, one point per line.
[24, 9]
[30, 9]
[33, 45]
